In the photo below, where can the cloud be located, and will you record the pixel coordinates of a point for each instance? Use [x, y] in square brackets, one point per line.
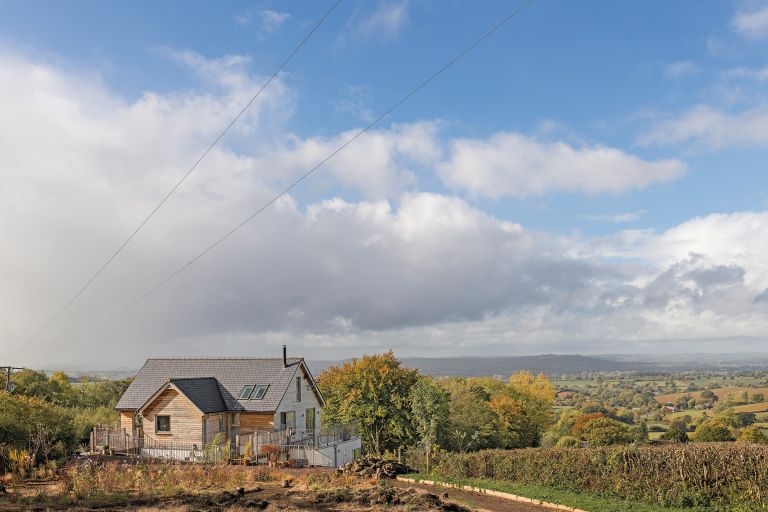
[382, 24]
[680, 69]
[617, 217]
[510, 164]
[752, 24]
[335, 276]
[380, 163]
[712, 127]
[269, 20]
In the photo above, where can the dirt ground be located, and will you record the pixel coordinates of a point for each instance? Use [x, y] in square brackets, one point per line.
[475, 501]
[360, 495]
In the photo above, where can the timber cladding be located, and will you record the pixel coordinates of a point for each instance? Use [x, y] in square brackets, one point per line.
[251, 422]
[126, 421]
[186, 419]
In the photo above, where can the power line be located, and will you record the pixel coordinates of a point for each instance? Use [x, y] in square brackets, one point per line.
[266, 205]
[159, 205]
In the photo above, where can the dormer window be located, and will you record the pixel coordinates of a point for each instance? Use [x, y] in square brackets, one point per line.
[245, 392]
[259, 392]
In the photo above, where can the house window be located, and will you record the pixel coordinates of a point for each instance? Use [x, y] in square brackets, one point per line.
[298, 389]
[287, 420]
[259, 392]
[162, 423]
[236, 419]
[310, 418]
[245, 392]
[221, 422]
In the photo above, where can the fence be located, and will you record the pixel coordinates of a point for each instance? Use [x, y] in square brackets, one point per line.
[302, 447]
[121, 442]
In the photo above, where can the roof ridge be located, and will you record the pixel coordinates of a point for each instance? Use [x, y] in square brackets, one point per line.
[221, 358]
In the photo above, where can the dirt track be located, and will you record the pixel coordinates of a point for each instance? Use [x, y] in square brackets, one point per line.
[476, 501]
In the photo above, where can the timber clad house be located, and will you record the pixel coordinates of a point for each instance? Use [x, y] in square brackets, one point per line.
[175, 408]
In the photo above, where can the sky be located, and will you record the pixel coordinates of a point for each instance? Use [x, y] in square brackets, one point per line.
[590, 179]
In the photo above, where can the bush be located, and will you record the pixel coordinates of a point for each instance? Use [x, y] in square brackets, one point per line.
[671, 475]
[753, 434]
[712, 431]
[605, 432]
[568, 442]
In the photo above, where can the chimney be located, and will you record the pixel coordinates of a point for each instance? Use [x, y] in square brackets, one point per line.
[285, 357]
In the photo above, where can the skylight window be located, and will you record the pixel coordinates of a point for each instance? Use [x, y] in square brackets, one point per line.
[259, 392]
[245, 392]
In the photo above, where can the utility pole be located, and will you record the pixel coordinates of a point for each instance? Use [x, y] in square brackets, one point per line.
[9, 371]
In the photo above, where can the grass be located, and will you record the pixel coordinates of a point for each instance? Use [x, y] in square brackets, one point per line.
[584, 501]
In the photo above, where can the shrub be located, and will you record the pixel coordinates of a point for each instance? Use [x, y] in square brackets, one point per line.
[753, 434]
[605, 432]
[670, 475]
[568, 442]
[712, 431]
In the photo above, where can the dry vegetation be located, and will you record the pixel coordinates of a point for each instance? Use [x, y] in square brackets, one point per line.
[698, 474]
[93, 485]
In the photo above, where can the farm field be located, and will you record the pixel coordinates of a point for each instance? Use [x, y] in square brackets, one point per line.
[759, 407]
[721, 393]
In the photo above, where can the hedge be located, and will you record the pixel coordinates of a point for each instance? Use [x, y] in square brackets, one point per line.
[669, 475]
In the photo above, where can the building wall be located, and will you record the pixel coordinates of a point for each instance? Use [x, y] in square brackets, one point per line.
[126, 421]
[186, 420]
[289, 402]
[212, 427]
[251, 422]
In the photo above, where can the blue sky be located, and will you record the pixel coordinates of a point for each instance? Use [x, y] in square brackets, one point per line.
[616, 135]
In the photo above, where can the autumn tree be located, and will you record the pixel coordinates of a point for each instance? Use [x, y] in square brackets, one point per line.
[374, 393]
[605, 431]
[472, 424]
[711, 431]
[429, 410]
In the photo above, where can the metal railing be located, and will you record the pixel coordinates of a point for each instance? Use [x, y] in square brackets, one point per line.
[120, 442]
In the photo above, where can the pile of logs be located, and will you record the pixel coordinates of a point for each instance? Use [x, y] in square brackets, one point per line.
[370, 466]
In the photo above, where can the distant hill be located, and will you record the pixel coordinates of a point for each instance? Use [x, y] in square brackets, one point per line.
[549, 364]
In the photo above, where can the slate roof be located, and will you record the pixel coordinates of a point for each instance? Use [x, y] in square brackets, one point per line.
[204, 392]
[230, 375]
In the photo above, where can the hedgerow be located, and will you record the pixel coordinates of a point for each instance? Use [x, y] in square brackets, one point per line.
[698, 474]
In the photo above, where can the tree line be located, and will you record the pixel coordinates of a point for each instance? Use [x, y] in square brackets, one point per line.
[396, 407]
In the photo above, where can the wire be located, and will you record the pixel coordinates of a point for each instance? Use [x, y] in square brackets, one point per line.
[122, 246]
[266, 205]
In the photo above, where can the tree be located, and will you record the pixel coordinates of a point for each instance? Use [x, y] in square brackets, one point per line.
[373, 392]
[472, 423]
[583, 420]
[753, 434]
[712, 431]
[708, 396]
[605, 431]
[640, 433]
[677, 431]
[429, 410]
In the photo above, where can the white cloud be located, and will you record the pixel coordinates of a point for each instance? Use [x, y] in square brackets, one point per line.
[510, 164]
[380, 163]
[382, 24]
[269, 20]
[415, 271]
[752, 24]
[616, 217]
[712, 127]
[680, 69]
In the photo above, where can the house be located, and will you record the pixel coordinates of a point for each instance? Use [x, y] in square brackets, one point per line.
[196, 402]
